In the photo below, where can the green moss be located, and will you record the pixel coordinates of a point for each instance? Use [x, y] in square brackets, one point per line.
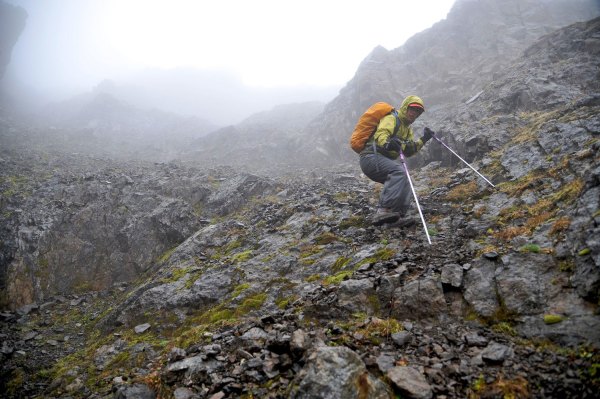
[242, 256]
[268, 258]
[239, 289]
[220, 315]
[307, 261]
[166, 255]
[120, 360]
[325, 238]
[479, 384]
[505, 328]
[584, 252]
[530, 248]
[251, 303]
[339, 264]
[193, 277]
[283, 302]
[17, 379]
[312, 278]
[337, 278]
[552, 318]
[384, 254]
[177, 274]
[232, 245]
[309, 250]
[567, 266]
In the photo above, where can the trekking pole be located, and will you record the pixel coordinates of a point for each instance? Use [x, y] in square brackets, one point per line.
[466, 163]
[415, 196]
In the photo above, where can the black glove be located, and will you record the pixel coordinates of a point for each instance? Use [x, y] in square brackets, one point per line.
[393, 145]
[427, 135]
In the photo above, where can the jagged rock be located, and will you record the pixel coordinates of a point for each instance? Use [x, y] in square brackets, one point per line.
[479, 290]
[184, 393]
[419, 299]
[496, 353]
[139, 329]
[402, 338]
[476, 340]
[337, 373]
[192, 369]
[300, 342]
[385, 362]
[357, 296]
[452, 274]
[136, 391]
[410, 382]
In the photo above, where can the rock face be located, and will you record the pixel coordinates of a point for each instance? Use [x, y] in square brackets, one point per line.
[447, 64]
[213, 282]
[12, 23]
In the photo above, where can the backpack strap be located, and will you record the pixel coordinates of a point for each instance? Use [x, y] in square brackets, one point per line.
[397, 125]
[396, 128]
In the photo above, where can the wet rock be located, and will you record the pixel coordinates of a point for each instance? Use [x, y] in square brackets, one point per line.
[452, 274]
[496, 353]
[357, 296]
[142, 328]
[176, 354]
[402, 338]
[422, 298]
[385, 362]
[136, 391]
[184, 393]
[300, 342]
[410, 382]
[479, 287]
[337, 373]
[476, 340]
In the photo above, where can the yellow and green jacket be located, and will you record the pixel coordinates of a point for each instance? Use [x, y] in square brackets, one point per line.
[385, 130]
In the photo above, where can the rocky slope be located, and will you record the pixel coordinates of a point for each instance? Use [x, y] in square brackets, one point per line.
[263, 143]
[133, 279]
[294, 280]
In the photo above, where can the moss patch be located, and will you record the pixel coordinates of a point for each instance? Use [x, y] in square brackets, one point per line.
[552, 318]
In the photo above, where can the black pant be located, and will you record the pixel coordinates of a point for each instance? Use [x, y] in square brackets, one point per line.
[396, 188]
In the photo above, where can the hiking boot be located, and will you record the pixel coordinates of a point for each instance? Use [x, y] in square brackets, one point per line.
[403, 222]
[384, 215]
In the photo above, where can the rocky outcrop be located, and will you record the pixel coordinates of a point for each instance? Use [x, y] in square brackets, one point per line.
[92, 224]
[12, 23]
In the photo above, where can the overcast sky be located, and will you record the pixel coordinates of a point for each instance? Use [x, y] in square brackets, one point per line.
[78, 43]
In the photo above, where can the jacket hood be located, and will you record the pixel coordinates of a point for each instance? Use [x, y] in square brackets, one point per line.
[409, 100]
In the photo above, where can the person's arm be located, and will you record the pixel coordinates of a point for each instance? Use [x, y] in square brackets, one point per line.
[385, 130]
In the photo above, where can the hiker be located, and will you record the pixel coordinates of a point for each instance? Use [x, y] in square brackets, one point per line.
[378, 159]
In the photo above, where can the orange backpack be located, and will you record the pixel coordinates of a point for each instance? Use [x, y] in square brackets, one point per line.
[367, 124]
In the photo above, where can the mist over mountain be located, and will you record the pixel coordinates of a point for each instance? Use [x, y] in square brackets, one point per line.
[145, 254]
[216, 96]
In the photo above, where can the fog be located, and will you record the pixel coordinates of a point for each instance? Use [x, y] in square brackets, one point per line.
[220, 61]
